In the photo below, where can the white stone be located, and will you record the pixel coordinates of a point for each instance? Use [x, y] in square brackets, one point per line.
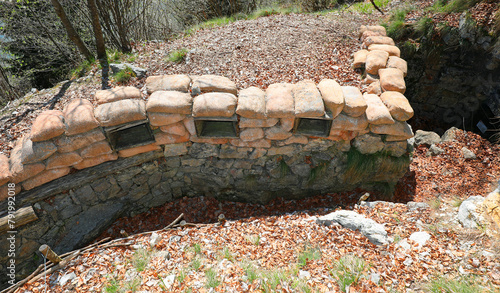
[420, 238]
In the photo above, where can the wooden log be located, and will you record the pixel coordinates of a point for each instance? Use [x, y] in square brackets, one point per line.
[20, 218]
[49, 254]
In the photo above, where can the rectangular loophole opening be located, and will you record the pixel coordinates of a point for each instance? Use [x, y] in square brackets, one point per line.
[216, 126]
[318, 126]
[137, 133]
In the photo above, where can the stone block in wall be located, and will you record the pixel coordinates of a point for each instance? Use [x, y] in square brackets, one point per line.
[94, 161]
[33, 152]
[47, 125]
[214, 105]
[284, 150]
[368, 143]
[399, 63]
[79, 117]
[377, 112]
[162, 119]
[279, 101]
[5, 189]
[214, 140]
[308, 101]
[213, 83]
[232, 152]
[138, 150]
[398, 129]
[396, 148]
[375, 60]
[5, 174]
[277, 133]
[261, 143]
[374, 88]
[392, 50]
[378, 40]
[345, 122]
[378, 29]
[175, 129]
[251, 134]
[333, 96]
[252, 103]
[96, 149]
[117, 94]
[392, 79]
[75, 142]
[398, 105]
[60, 160]
[170, 102]
[177, 82]
[120, 112]
[299, 139]
[166, 138]
[355, 104]
[201, 150]
[359, 59]
[253, 123]
[174, 150]
[44, 177]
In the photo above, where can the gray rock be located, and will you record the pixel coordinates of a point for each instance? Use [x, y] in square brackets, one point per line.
[449, 135]
[375, 278]
[468, 154]
[374, 231]
[420, 238]
[368, 143]
[139, 72]
[154, 239]
[412, 206]
[434, 151]
[468, 214]
[67, 277]
[426, 137]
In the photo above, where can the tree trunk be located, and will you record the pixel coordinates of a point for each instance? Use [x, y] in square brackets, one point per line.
[72, 34]
[7, 91]
[99, 39]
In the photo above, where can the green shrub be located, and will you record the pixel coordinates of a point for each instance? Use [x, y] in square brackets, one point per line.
[314, 5]
[349, 270]
[178, 56]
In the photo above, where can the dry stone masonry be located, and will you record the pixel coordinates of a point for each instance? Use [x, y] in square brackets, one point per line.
[83, 167]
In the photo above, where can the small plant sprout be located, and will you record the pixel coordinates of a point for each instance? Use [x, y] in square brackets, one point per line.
[140, 259]
[212, 279]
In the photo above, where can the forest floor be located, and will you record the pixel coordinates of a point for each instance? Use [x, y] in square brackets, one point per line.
[279, 247]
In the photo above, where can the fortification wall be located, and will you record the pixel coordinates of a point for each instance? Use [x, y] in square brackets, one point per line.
[81, 168]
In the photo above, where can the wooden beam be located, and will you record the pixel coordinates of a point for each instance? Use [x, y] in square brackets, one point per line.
[20, 218]
[50, 254]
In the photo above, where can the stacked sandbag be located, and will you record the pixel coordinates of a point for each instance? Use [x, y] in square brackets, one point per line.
[380, 60]
[119, 106]
[214, 97]
[253, 119]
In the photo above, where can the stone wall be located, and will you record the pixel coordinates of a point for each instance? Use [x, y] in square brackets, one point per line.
[453, 79]
[83, 167]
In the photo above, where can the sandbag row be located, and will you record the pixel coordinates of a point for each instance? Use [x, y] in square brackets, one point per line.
[75, 138]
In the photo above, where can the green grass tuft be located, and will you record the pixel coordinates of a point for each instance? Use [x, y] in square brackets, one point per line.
[140, 259]
[349, 269]
[361, 167]
[177, 56]
[124, 75]
[466, 284]
[307, 255]
[212, 279]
